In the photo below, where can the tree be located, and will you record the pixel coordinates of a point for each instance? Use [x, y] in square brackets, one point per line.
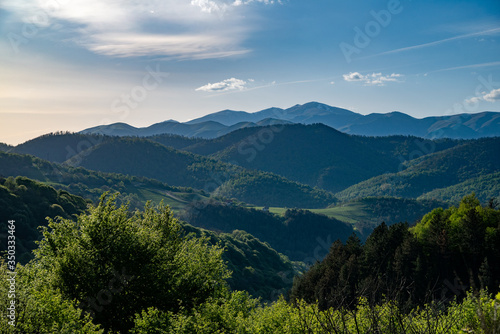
[115, 264]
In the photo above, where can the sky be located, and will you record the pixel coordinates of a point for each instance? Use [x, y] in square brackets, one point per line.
[67, 65]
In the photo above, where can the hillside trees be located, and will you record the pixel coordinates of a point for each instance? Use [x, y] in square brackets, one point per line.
[28, 203]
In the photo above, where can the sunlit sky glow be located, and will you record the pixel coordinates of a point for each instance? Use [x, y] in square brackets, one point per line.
[74, 64]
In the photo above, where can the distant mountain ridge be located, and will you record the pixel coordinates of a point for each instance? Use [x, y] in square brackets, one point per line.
[460, 126]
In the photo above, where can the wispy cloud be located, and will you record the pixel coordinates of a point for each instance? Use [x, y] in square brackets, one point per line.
[426, 45]
[481, 65]
[224, 85]
[190, 46]
[211, 6]
[372, 79]
[196, 29]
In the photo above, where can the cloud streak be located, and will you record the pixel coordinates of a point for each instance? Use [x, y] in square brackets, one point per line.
[426, 45]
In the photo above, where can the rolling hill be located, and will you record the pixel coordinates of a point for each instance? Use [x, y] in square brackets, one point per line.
[316, 154]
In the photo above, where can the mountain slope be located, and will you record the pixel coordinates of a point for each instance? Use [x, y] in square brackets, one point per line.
[256, 267]
[58, 147]
[298, 234]
[486, 187]
[316, 155]
[92, 184]
[28, 203]
[5, 147]
[443, 169]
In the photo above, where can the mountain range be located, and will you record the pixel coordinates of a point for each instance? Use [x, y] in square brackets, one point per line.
[292, 165]
[463, 126]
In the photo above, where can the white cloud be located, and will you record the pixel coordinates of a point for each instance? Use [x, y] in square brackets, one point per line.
[353, 76]
[473, 100]
[225, 85]
[196, 29]
[492, 96]
[372, 79]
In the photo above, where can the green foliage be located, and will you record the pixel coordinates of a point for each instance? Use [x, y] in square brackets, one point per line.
[446, 253]
[38, 308]
[367, 213]
[29, 203]
[238, 314]
[116, 264]
[256, 267]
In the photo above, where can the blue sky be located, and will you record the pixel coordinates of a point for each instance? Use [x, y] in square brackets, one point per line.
[73, 64]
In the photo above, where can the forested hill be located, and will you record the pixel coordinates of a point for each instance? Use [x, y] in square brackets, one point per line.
[92, 184]
[167, 276]
[316, 154]
[58, 147]
[291, 165]
[142, 157]
[456, 165]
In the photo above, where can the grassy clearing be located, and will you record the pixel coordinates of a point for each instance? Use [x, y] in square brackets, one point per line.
[350, 213]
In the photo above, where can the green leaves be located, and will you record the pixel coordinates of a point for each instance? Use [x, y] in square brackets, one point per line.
[116, 264]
